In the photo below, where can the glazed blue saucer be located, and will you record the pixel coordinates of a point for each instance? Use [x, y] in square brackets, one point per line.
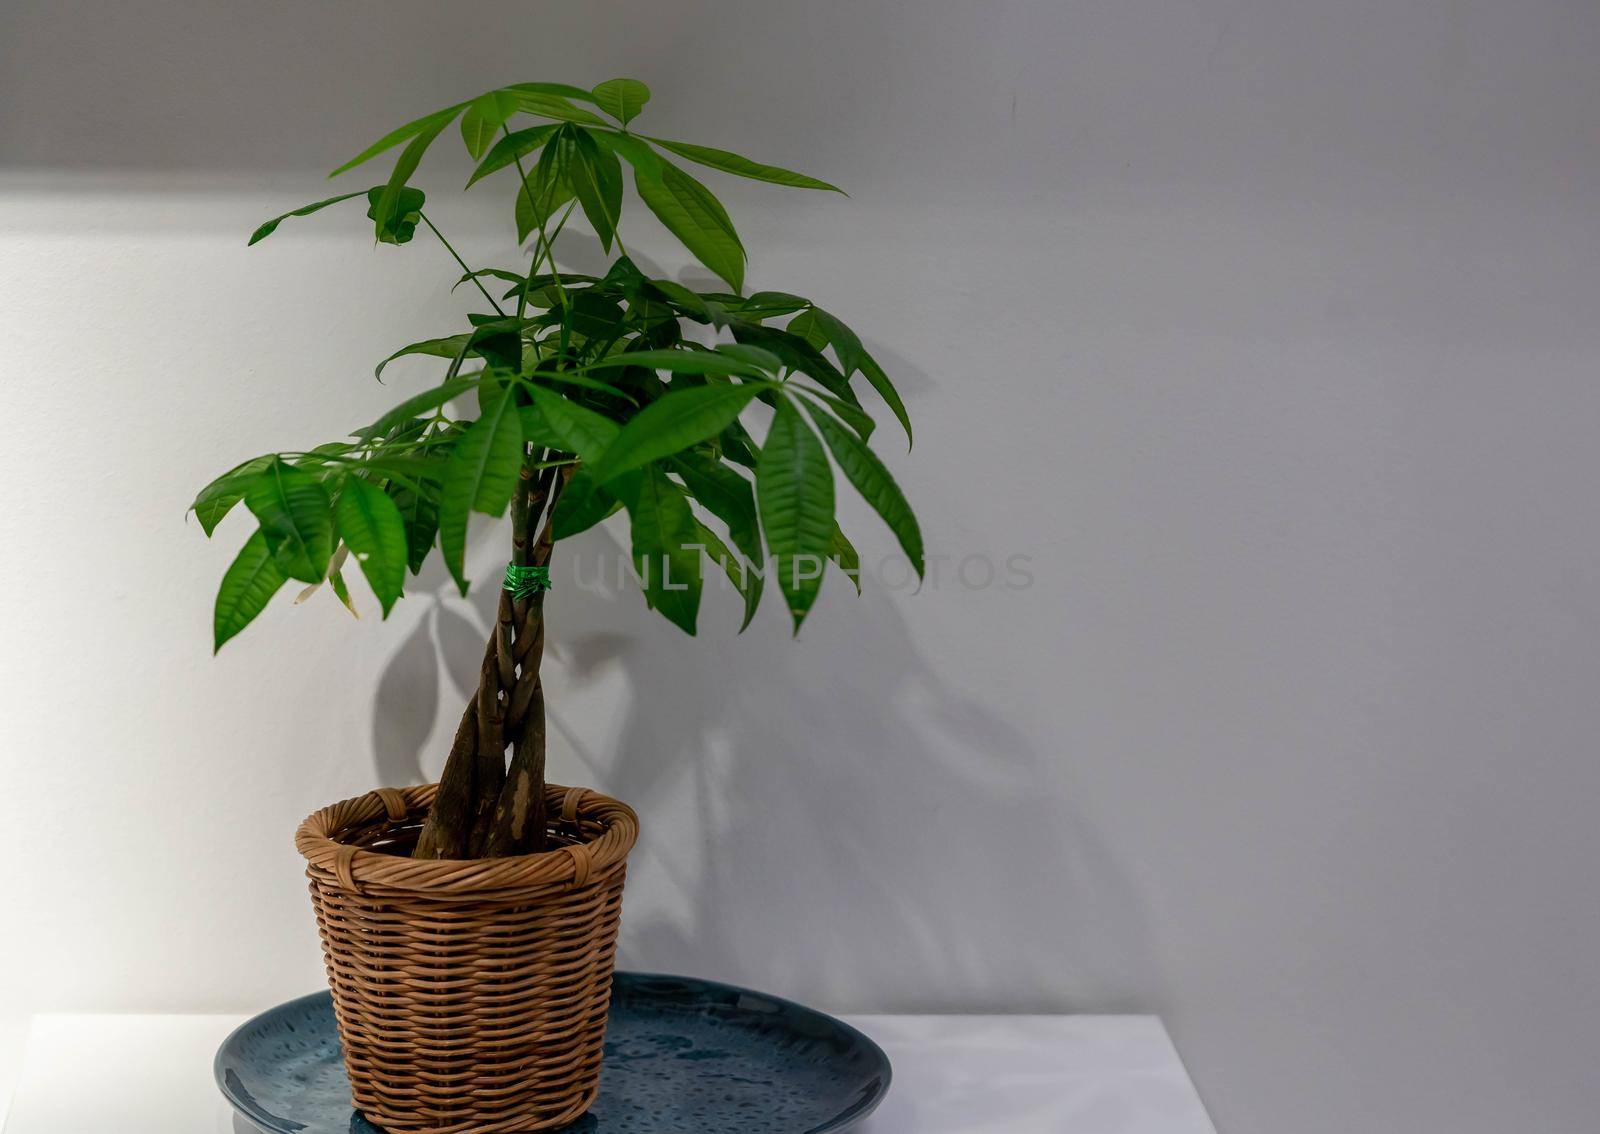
[681, 1055]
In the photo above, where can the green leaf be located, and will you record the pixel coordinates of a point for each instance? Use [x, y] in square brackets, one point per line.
[399, 224]
[763, 361]
[891, 397]
[217, 499]
[622, 98]
[631, 150]
[875, 484]
[535, 430]
[448, 347]
[271, 226]
[340, 589]
[695, 217]
[497, 273]
[675, 421]
[508, 149]
[686, 361]
[483, 119]
[852, 415]
[664, 533]
[372, 527]
[581, 430]
[546, 188]
[745, 580]
[559, 90]
[845, 344]
[390, 210]
[294, 511]
[417, 403]
[844, 553]
[743, 166]
[552, 106]
[596, 178]
[421, 516]
[804, 325]
[797, 355]
[794, 490]
[729, 497]
[573, 378]
[771, 304]
[583, 505]
[436, 121]
[481, 474]
[247, 586]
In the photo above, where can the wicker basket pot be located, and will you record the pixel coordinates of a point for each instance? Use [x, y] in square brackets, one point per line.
[470, 995]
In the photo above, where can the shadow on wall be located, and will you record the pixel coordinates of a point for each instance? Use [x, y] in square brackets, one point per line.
[830, 819]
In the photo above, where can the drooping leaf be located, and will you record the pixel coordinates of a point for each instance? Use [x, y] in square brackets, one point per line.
[852, 415]
[421, 516]
[665, 534]
[448, 347]
[844, 553]
[794, 491]
[891, 397]
[730, 498]
[398, 224]
[483, 118]
[436, 121]
[743, 166]
[797, 355]
[876, 485]
[337, 585]
[295, 514]
[417, 403]
[690, 212]
[497, 273]
[622, 98]
[673, 422]
[745, 580]
[271, 226]
[596, 179]
[371, 526]
[846, 346]
[217, 499]
[391, 210]
[548, 186]
[481, 476]
[507, 150]
[247, 586]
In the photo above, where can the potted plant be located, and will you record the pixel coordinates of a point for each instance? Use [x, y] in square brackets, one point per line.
[469, 926]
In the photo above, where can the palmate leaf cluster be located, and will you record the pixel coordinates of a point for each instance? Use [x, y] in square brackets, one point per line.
[609, 379]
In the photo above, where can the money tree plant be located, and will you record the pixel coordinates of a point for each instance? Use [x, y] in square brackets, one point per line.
[566, 398]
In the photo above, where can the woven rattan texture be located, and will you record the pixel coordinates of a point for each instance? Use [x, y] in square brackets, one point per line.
[470, 995]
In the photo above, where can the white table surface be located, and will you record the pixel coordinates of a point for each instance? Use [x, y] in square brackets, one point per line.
[952, 1075]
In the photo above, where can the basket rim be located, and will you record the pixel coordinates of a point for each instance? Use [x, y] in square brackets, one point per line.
[356, 868]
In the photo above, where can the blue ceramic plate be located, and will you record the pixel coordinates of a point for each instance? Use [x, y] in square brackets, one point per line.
[681, 1055]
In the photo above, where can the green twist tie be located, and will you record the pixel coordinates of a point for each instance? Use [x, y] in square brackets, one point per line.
[525, 582]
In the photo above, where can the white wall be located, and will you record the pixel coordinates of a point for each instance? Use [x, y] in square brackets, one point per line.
[1266, 329]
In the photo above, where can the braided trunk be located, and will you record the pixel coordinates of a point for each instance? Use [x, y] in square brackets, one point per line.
[485, 809]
